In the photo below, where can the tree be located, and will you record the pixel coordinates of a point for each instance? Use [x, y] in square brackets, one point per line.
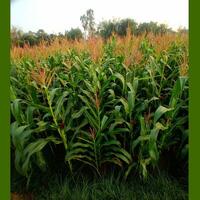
[120, 27]
[88, 23]
[143, 28]
[106, 28]
[16, 35]
[163, 29]
[30, 38]
[74, 33]
[182, 30]
[41, 35]
[152, 27]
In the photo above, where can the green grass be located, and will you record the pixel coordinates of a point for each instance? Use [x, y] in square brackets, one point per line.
[154, 188]
[54, 186]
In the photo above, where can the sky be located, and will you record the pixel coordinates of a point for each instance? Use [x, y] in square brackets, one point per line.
[56, 16]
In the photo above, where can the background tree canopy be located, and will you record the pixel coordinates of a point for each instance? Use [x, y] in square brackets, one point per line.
[104, 29]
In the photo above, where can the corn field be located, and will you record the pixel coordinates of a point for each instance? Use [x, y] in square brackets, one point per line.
[117, 106]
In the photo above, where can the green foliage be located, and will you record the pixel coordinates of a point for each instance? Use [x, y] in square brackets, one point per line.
[152, 27]
[119, 27]
[74, 33]
[19, 38]
[154, 188]
[107, 117]
[105, 29]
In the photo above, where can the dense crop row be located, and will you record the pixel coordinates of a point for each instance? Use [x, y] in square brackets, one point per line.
[103, 114]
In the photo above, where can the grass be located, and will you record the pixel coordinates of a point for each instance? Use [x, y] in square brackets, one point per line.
[160, 187]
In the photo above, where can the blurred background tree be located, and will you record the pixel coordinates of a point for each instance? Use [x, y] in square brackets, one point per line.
[88, 23]
[104, 29]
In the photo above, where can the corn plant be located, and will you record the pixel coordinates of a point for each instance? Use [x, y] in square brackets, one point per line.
[102, 113]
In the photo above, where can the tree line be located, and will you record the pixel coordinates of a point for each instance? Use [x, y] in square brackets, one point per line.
[104, 29]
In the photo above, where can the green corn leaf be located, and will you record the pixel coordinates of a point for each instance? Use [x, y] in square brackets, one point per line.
[42, 126]
[52, 94]
[103, 122]
[82, 145]
[79, 113]
[59, 103]
[29, 114]
[91, 120]
[121, 78]
[33, 148]
[161, 110]
[118, 155]
[89, 105]
[129, 170]
[16, 110]
[141, 138]
[143, 130]
[125, 104]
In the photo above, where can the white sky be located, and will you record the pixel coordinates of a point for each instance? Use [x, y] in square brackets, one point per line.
[55, 16]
